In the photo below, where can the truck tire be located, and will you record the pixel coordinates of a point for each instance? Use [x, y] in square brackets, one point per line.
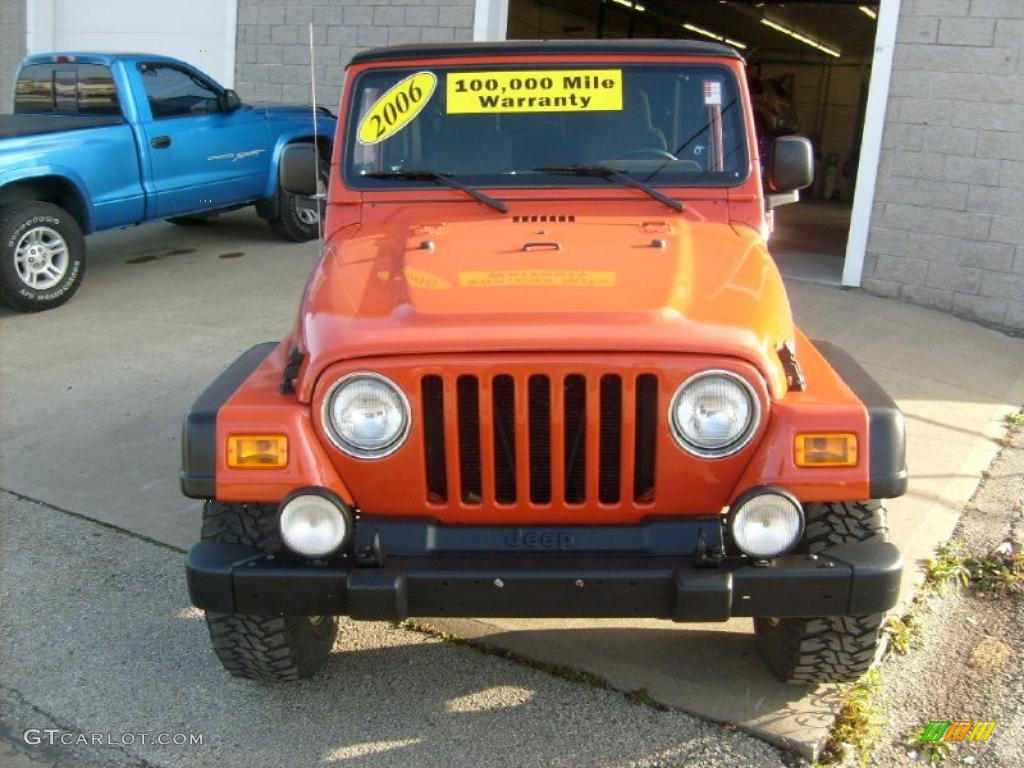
[298, 217]
[827, 649]
[272, 648]
[42, 256]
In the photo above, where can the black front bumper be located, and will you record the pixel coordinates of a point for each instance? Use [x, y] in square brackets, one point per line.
[844, 580]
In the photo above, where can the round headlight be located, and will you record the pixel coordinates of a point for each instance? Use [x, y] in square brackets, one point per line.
[313, 525]
[366, 415]
[714, 414]
[767, 523]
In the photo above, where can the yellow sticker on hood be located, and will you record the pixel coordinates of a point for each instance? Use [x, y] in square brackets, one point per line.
[531, 278]
[396, 108]
[543, 90]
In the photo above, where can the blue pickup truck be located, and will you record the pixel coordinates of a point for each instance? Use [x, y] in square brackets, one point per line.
[99, 141]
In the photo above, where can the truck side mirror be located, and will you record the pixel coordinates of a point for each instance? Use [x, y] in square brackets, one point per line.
[229, 101]
[792, 165]
[297, 171]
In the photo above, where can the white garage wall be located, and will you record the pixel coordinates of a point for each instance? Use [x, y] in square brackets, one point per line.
[201, 32]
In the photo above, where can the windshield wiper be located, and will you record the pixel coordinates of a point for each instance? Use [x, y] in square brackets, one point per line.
[612, 173]
[444, 178]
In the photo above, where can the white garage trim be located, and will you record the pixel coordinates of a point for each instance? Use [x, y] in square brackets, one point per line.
[201, 32]
[490, 20]
[871, 142]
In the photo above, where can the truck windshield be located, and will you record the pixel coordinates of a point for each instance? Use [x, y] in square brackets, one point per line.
[662, 124]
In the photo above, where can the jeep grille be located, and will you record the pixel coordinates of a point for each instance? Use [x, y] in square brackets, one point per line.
[541, 438]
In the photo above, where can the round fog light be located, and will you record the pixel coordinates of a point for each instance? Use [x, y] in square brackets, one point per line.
[767, 523]
[314, 525]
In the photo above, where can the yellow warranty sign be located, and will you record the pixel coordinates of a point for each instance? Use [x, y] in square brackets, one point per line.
[396, 108]
[543, 90]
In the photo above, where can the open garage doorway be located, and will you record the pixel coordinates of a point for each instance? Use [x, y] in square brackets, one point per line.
[810, 65]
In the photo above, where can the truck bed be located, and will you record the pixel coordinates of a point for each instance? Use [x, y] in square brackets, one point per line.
[30, 125]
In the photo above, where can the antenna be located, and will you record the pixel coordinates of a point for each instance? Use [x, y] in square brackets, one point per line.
[316, 143]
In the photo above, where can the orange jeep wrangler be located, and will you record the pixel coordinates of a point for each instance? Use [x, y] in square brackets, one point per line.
[545, 367]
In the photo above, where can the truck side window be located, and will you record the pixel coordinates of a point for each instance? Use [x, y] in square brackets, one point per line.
[33, 92]
[97, 94]
[173, 92]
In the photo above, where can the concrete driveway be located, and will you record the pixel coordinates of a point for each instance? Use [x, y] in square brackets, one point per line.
[93, 394]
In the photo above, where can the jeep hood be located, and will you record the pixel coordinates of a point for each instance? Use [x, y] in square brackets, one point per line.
[521, 283]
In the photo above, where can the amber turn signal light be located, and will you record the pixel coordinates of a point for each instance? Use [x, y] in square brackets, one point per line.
[258, 451]
[825, 450]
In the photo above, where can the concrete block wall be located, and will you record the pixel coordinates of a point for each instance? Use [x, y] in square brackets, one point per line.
[12, 48]
[272, 61]
[947, 230]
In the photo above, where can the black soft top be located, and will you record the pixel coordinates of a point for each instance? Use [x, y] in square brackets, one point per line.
[546, 47]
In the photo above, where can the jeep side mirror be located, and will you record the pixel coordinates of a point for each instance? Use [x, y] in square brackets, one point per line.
[297, 171]
[229, 101]
[792, 164]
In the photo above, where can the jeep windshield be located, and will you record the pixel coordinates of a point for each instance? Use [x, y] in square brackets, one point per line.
[670, 125]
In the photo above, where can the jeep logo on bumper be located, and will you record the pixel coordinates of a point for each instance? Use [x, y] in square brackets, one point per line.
[522, 538]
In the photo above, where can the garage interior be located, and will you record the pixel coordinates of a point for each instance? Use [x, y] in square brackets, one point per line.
[809, 63]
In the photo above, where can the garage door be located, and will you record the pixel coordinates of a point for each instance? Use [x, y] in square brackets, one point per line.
[201, 32]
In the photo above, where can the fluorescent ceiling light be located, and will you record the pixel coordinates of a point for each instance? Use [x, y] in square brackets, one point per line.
[869, 12]
[629, 4]
[713, 36]
[802, 38]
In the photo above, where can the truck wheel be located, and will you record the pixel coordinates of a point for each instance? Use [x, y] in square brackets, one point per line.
[272, 648]
[828, 649]
[42, 256]
[298, 217]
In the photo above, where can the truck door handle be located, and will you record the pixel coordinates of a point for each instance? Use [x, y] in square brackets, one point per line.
[161, 142]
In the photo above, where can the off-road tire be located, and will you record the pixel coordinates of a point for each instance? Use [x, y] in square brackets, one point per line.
[16, 222]
[288, 223]
[271, 648]
[827, 649]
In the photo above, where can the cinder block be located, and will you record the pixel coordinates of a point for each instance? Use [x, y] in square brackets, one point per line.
[358, 16]
[934, 298]
[438, 34]
[897, 269]
[371, 36]
[256, 34]
[917, 29]
[455, 16]
[342, 36]
[970, 170]
[998, 9]
[399, 35]
[298, 15]
[422, 16]
[950, 195]
[899, 136]
[1002, 145]
[297, 54]
[1007, 229]
[993, 115]
[1009, 32]
[955, 58]
[270, 54]
[1005, 202]
[941, 7]
[982, 308]
[925, 111]
[994, 256]
[1003, 285]
[951, 277]
[917, 165]
[1015, 316]
[388, 16]
[284, 35]
[1018, 262]
[948, 140]
[967, 31]
[881, 287]
[272, 16]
